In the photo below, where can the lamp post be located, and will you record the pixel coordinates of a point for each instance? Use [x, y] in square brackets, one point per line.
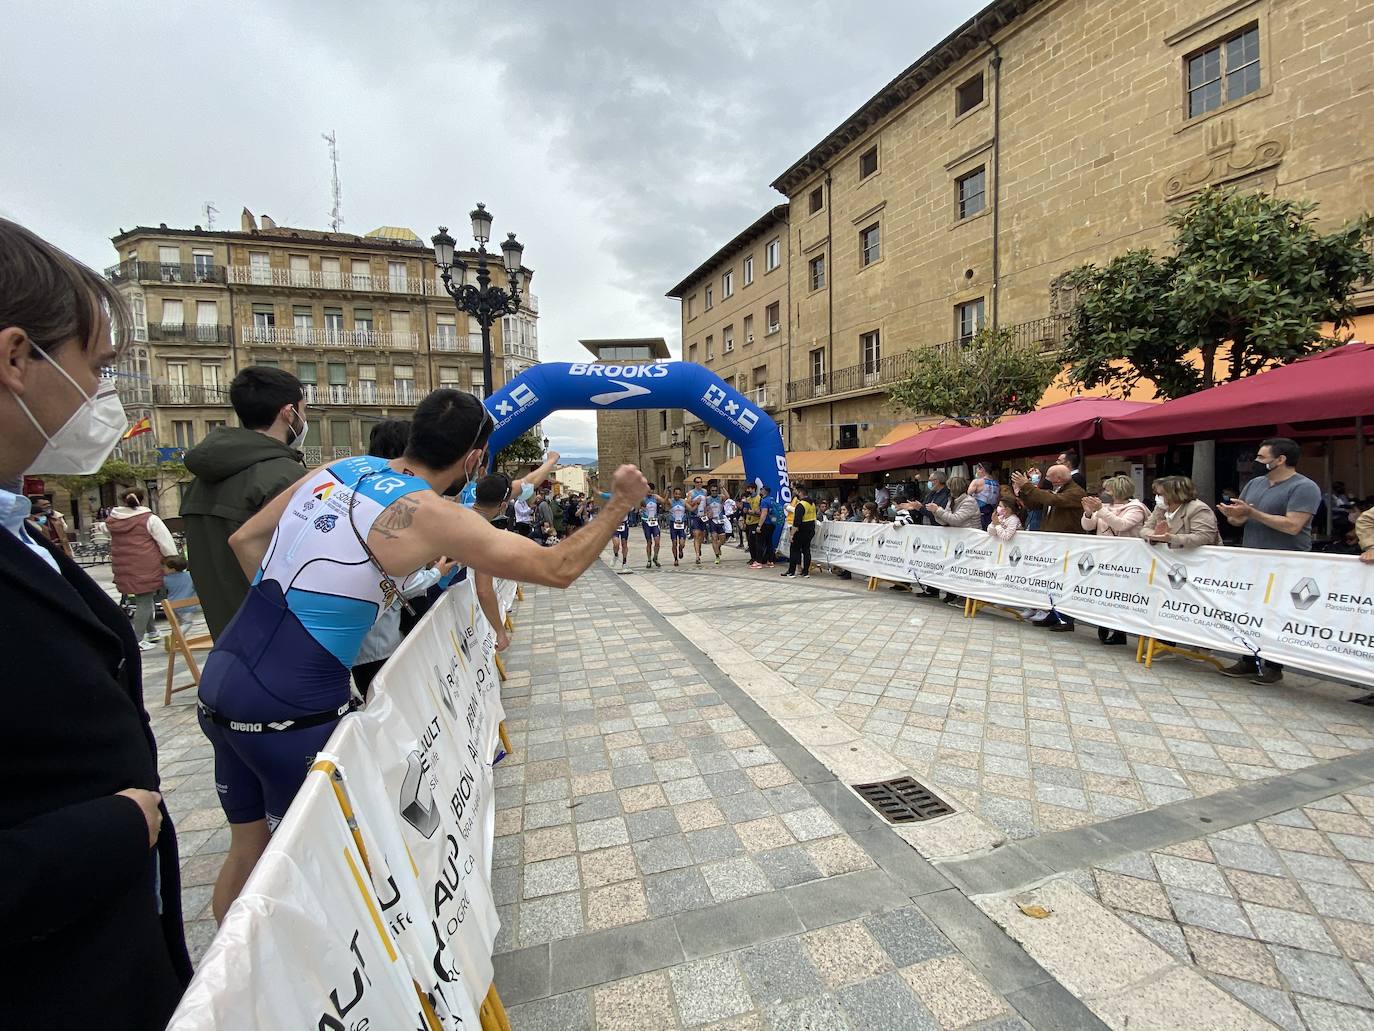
[484, 302]
[685, 444]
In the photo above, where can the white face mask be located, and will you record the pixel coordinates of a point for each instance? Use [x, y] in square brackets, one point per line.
[1159, 501]
[298, 435]
[90, 433]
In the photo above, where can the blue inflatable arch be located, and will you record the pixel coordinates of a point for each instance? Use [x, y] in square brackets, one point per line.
[556, 386]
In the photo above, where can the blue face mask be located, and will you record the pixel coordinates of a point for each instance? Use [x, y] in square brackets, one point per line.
[527, 492]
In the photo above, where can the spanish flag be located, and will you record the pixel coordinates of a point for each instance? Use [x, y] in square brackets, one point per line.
[144, 425]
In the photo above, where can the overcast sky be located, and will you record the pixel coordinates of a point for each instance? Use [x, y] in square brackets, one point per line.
[623, 142]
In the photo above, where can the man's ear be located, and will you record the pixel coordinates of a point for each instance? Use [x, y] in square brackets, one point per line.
[15, 356]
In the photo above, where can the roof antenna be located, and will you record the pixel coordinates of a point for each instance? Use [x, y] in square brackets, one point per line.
[335, 216]
[210, 212]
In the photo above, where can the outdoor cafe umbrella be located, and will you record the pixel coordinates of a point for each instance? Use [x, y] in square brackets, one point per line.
[910, 453]
[1073, 422]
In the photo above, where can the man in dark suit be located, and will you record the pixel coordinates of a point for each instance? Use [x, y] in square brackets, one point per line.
[90, 910]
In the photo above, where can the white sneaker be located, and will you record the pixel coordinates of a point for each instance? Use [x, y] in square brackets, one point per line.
[146, 645]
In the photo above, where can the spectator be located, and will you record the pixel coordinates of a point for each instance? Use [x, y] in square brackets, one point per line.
[988, 492]
[238, 470]
[52, 524]
[1276, 512]
[938, 494]
[1364, 532]
[1062, 505]
[91, 883]
[1005, 521]
[962, 509]
[176, 582]
[138, 542]
[544, 510]
[1069, 460]
[1034, 514]
[1179, 519]
[803, 532]
[870, 513]
[768, 528]
[1114, 513]
[524, 515]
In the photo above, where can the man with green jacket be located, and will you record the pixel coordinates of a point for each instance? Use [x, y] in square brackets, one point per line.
[238, 471]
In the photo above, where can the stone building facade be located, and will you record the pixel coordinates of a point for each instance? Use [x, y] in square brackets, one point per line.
[633, 435]
[1040, 135]
[362, 321]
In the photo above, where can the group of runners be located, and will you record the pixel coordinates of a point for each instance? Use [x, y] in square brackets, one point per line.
[709, 516]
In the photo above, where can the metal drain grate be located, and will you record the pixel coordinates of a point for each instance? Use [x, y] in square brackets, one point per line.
[903, 800]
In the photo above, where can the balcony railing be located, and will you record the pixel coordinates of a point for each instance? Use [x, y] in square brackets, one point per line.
[188, 394]
[164, 272]
[1038, 334]
[299, 336]
[759, 395]
[456, 344]
[190, 334]
[249, 275]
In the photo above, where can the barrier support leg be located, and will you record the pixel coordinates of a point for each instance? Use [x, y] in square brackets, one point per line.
[505, 738]
[1156, 647]
[519, 594]
[500, 667]
[1140, 648]
[493, 1013]
[872, 583]
[510, 626]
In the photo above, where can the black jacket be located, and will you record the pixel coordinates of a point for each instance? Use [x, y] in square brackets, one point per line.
[81, 941]
[237, 472]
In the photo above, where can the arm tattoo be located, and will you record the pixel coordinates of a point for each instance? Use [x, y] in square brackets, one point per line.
[397, 516]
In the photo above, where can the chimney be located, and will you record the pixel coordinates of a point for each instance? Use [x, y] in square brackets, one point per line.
[267, 222]
[246, 221]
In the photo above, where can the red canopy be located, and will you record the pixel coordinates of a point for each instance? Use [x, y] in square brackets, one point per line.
[1060, 425]
[905, 454]
[1332, 386]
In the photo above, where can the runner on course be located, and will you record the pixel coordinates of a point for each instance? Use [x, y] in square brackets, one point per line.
[325, 557]
[653, 533]
[677, 525]
[768, 523]
[696, 504]
[717, 524]
[620, 542]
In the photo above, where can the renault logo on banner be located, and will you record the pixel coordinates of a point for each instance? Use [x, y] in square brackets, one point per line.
[958, 550]
[1305, 593]
[1178, 576]
[1014, 556]
[1086, 564]
[417, 799]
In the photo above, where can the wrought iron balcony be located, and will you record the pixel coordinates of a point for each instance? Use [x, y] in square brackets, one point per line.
[457, 344]
[302, 279]
[308, 336]
[190, 333]
[189, 394]
[164, 272]
[872, 376]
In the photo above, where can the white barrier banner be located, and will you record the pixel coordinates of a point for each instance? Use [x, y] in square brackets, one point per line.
[1315, 612]
[304, 945]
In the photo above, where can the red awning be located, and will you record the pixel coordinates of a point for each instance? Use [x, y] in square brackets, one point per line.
[905, 454]
[1332, 387]
[1061, 425]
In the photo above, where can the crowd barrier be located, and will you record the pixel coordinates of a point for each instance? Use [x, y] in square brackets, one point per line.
[372, 907]
[1306, 610]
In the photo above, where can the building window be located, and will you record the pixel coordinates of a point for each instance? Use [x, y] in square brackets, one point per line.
[727, 339]
[214, 424]
[727, 284]
[479, 383]
[1224, 72]
[626, 354]
[871, 347]
[710, 299]
[338, 383]
[264, 317]
[692, 307]
[868, 162]
[849, 434]
[971, 191]
[817, 199]
[710, 347]
[367, 384]
[772, 255]
[448, 377]
[210, 376]
[341, 437]
[870, 249]
[748, 329]
[968, 319]
[748, 270]
[818, 366]
[446, 333]
[173, 314]
[663, 421]
[404, 378]
[705, 456]
[306, 373]
[362, 321]
[204, 265]
[691, 352]
[396, 276]
[183, 433]
[260, 267]
[362, 273]
[817, 271]
[330, 274]
[773, 315]
[969, 95]
[333, 325]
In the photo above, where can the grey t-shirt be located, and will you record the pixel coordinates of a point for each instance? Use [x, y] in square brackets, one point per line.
[1295, 494]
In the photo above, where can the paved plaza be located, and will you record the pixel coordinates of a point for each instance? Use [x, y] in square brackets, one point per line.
[678, 847]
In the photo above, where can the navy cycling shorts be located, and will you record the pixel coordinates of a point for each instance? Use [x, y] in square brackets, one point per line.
[266, 666]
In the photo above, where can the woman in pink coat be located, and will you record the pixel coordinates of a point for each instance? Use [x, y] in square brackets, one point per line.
[1114, 513]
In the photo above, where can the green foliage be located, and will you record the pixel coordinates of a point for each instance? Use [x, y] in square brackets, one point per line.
[525, 450]
[977, 383]
[118, 471]
[1248, 271]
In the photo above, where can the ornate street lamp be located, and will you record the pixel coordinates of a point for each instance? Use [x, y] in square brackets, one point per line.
[483, 301]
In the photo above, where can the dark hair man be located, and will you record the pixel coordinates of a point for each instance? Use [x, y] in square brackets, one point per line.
[276, 683]
[237, 470]
[1276, 511]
